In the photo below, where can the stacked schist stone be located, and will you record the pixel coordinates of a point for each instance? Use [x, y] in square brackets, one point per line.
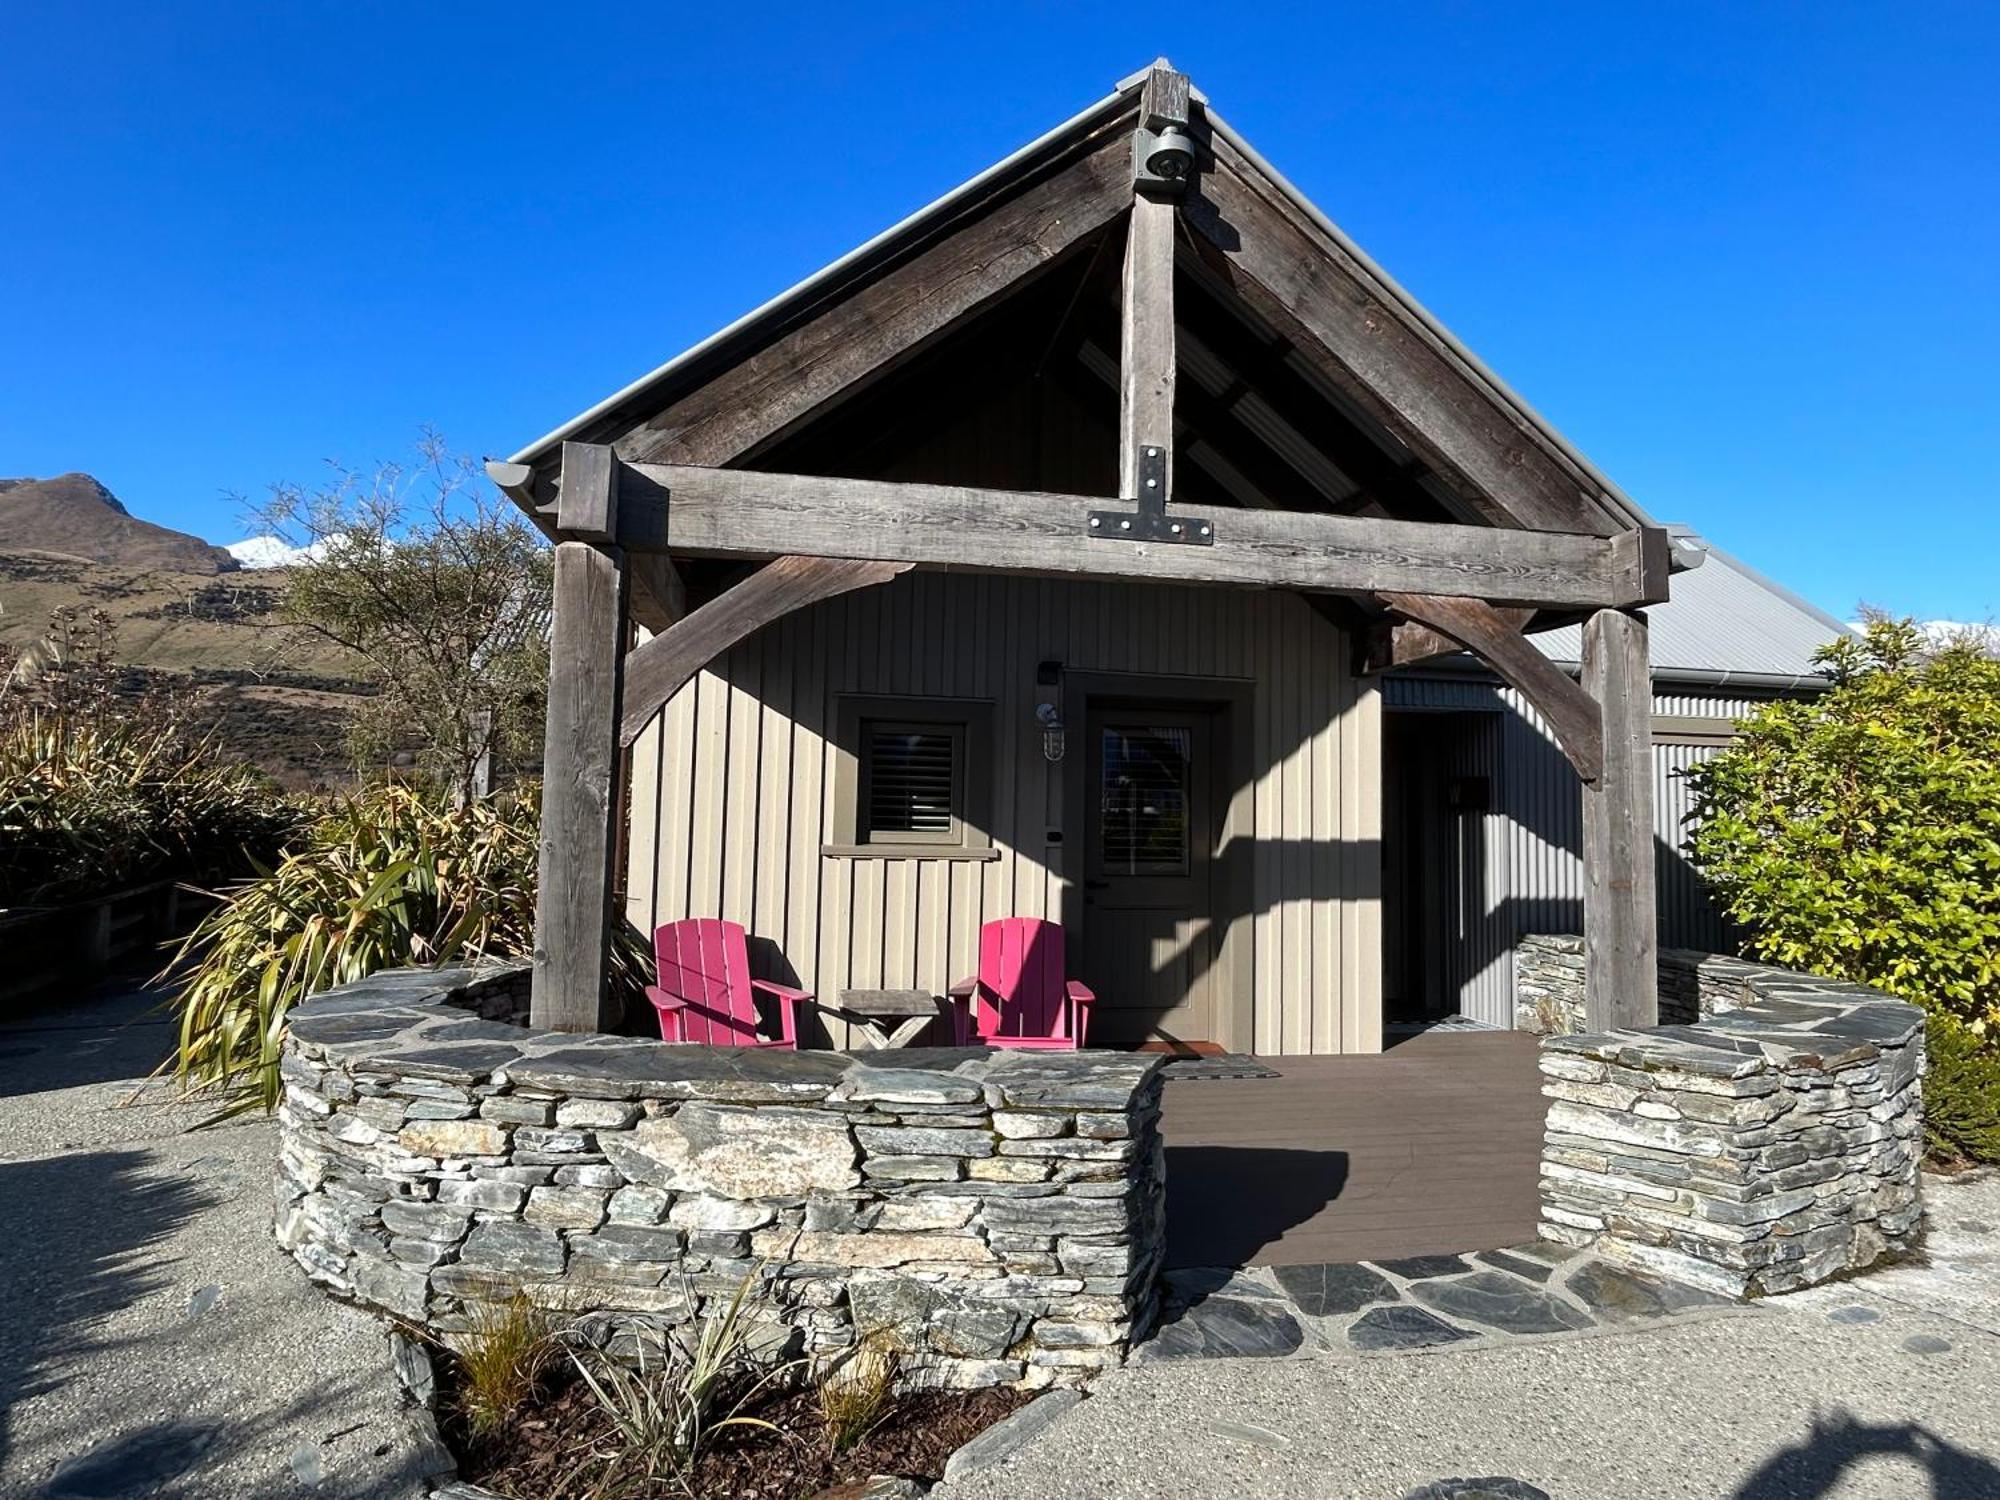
[996, 1217]
[1548, 984]
[1769, 1146]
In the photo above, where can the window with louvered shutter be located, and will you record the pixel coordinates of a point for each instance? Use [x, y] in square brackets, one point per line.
[912, 777]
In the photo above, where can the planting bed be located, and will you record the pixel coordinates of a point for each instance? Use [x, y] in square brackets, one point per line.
[536, 1458]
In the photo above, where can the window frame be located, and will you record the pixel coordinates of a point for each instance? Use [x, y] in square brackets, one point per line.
[969, 721]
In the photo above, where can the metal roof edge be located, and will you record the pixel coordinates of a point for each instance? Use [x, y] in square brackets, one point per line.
[1634, 512]
[1468, 668]
[936, 208]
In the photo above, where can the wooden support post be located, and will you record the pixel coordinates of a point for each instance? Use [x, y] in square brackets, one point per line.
[580, 763]
[1620, 918]
[1146, 322]
[1146, 346]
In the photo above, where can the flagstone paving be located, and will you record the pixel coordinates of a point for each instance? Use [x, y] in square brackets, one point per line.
[1875, 1388]
[1410, 1303]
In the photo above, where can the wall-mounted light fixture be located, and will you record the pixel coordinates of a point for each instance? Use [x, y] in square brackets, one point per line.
[1049, 709]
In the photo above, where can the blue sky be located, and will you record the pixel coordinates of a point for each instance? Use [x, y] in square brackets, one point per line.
[1747, 257]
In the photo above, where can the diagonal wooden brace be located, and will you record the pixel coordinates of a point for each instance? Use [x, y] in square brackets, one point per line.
[1496, 640]
[657, 670]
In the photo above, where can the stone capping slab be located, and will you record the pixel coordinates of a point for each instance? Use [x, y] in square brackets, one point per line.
[1788, 1020]
[1768, 1138]
[412, 1021]
[996, 1217]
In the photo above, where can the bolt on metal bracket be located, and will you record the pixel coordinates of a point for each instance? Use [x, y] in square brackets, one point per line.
[1150, 522]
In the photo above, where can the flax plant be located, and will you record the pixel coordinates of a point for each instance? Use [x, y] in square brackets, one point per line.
[665, 1411]
[88, 807]
[391, 877]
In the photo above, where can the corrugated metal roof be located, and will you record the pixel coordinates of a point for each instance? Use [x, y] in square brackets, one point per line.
[1723, 618]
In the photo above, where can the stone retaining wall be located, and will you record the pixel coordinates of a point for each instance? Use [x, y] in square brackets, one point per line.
[1548, 984]
[997, 1216]
[1769, 1141]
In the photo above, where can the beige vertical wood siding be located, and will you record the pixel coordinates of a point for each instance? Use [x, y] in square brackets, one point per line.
[732, 787]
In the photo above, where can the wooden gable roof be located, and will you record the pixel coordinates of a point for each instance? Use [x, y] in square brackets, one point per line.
[1291, 327]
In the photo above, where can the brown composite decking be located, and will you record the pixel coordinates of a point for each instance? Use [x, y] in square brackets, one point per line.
[1433, 1145]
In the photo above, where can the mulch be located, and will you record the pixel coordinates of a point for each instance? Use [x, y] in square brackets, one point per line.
[538, 1454]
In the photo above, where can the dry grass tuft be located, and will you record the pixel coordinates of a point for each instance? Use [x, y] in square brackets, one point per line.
[857, 1394]
[501, 1360]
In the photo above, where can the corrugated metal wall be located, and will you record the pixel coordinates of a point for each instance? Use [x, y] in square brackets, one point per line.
[1531, 868]
[732, 787]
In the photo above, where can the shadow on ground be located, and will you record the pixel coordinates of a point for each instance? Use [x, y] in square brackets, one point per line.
[1818, 1463]
[108, 1039]
[1225, 1203]
[80, 1232]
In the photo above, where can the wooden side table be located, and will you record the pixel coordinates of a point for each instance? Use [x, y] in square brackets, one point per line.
[873, 1013]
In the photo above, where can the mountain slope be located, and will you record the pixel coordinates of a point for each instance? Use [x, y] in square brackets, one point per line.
[76, 516]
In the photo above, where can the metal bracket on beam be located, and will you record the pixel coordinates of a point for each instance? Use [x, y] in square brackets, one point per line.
[1150, 522]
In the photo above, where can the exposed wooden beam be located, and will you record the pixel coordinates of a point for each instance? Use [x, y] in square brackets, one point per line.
[1335, 312]
[1496, 639]
[656, 596]
[587, 503]
[1405, 643]
[1620, 918]
[738, 513]
[1146, 344]
[1146, 305]
[655, 576]
[853, 342]
[660, 667]
[580, 766]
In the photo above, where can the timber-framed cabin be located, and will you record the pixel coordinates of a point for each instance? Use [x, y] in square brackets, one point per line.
[1041, 557]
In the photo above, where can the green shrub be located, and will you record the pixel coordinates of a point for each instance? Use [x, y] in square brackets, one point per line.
[1961, 1094]
[1857, 835]
[88, 808]
[391, 877]
[104, 785]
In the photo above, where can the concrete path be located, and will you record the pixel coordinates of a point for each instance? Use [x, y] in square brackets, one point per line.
[153, 1341]
[1883, 1388]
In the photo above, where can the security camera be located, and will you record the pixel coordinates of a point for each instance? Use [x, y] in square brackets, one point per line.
[1172, 156]
[1163, 160]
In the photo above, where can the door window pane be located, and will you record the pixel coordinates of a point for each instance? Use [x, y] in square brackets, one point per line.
[1143, 800]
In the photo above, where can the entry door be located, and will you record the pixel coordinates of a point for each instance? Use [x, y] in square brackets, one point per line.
[1149, 944]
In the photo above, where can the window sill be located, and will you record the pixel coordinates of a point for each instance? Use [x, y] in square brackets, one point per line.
[907, 851]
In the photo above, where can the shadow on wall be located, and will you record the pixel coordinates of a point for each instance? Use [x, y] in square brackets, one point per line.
[1226, 1203]
[1818, 1464]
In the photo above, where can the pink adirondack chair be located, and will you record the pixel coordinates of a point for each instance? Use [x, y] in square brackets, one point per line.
[1021, 997]
[706, 994]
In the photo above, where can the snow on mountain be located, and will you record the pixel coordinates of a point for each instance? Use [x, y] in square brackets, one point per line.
[273, 552]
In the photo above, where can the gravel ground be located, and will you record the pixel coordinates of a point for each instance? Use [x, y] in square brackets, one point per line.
[156, 1342]
[1882, 1388]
